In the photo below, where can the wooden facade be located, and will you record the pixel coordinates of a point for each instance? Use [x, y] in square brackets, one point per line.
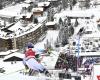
[5, 44]
[39, 13]
[21, 41]
[30, 37]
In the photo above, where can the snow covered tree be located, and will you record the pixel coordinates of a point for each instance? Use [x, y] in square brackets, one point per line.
[74, 2]
[76, 23]
[30, 8]
[57, 43]
[70, 6]
[71, 31]
[48, 44]
[87, 4]
[65, 4]
[64, 42]
[1, 6]
[67, 21]
[22, 0]
[60, 21]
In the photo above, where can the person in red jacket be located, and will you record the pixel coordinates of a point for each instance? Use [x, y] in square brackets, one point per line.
[30, 53]
[31, 62]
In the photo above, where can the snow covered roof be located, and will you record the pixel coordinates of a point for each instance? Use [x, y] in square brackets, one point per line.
[14, 50]
[52, 0]
[93, 35]
[50, 23]
[89, 54]
[41, 19]
[28, 1]
[16, 54]
[8, 52]
[20, 30]
[16, 26]
[6, 16]
[74, 14]
[31, 30]
[78, 14]
[12, 10]
[26, 30]
[4, 53]
[28, 15]
[2, 35]
[41, 4]
[37, 9]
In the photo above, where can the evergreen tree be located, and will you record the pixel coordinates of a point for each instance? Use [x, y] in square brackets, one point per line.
[30, 8]
[1, 6]
[64, 42]
[76, 23]
[57, 43]
[74, 2]
[65, 4]
[60, 21]
[22, 0]
[87, 4]
[71, 31]
[35, 20]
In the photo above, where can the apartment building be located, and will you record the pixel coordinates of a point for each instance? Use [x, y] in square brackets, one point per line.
[6, 44]
[23, 39]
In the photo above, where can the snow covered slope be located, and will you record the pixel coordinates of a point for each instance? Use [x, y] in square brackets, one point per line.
[51, 37]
